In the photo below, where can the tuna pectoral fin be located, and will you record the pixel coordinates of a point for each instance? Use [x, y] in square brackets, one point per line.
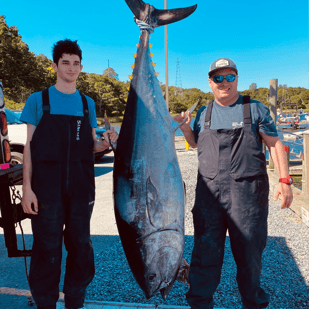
[176, 124]
[183, 272]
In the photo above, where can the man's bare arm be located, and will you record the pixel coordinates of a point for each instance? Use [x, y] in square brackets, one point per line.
[28, 195]
[278, 155]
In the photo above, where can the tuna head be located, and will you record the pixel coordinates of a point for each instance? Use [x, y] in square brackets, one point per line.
[162, 264]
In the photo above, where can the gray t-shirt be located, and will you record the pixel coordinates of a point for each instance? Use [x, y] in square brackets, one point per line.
[232, 117]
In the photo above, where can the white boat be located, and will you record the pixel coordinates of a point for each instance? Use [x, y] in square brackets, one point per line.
[296, 135]
[294, 119]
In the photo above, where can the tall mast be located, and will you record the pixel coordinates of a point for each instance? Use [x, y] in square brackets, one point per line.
[166, 61]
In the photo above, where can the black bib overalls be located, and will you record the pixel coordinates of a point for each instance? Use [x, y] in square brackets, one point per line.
[63, 181]
[231, 194]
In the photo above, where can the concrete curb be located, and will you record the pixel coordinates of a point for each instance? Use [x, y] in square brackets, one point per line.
[111, 305]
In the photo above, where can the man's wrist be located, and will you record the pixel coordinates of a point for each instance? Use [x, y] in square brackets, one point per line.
[185, 129]
[287, 180]
[26, 186]
[106, 143]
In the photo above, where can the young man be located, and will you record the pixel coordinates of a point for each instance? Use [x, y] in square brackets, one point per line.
[232, 187]
[58, 181]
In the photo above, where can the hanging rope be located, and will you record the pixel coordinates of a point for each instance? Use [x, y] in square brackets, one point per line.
[143, 26]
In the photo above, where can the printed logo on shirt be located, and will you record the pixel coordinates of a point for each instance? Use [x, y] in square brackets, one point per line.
[237, 125]
[79, 122]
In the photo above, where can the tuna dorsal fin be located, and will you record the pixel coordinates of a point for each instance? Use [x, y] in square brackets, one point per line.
[156, 18]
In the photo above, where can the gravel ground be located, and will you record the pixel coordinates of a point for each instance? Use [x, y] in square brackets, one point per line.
[285, 274]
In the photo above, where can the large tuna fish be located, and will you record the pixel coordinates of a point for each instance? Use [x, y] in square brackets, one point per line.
[148, 188]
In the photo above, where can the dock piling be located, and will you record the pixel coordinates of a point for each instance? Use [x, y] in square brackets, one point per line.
[287, 151]
[273, 88]
[305, 181]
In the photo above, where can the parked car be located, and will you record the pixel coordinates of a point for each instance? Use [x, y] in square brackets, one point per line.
[5, 152]
[99, 132]
[18, 137]
[17, 132]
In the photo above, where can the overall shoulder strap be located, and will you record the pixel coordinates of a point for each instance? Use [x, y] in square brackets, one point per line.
[45, 99]
[246, 107]
[85, 104]
[208, 114]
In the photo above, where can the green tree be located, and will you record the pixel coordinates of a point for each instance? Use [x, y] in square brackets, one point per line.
[260, 94]
[110, 72]
[253, 86]
[109, 94]
[44, 73]
[82, 84]
[17, 64]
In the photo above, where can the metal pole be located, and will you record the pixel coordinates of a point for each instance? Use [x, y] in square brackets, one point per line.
[166, 61]
[273, 88]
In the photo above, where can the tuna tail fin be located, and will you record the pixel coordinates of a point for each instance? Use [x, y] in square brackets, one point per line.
[156, 18]
[176, 124]
[165, 17]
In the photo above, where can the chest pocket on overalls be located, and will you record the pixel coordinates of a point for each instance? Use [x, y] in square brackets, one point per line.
[208, 149]
[48, 154]
[208, 158]
[247, 160]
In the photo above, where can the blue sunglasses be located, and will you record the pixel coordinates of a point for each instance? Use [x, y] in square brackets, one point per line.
[220, 78]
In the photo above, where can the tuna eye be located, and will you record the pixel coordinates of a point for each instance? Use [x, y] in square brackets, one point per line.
[151, 277]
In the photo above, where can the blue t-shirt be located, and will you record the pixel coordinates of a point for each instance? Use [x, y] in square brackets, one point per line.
[232, 117]
[60, 104]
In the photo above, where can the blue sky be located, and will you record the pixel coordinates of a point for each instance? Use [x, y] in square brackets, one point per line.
[266, 39]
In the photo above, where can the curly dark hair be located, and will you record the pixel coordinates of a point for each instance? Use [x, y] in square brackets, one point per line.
[65, 47]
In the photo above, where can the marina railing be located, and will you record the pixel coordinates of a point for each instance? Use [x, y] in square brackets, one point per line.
[305, 180]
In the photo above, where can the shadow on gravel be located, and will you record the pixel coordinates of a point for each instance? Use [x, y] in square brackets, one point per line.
[100, 167]
[102, 170]
[114, 281]
[281, 277]
[104, 160]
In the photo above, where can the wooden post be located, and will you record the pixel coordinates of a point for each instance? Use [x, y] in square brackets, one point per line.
[287, 151]
[264, 148]
[305, 180]
[273, 88]
[166, 62]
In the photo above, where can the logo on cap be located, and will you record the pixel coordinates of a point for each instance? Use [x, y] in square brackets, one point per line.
[222, 63]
